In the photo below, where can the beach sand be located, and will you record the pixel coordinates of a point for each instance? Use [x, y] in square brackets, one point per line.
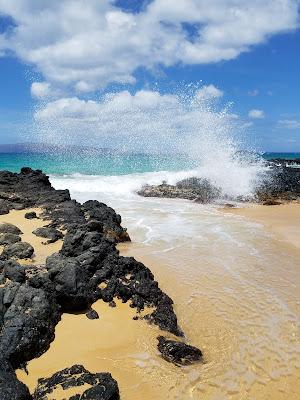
[27, 226]
[244, 320]
[282, 220]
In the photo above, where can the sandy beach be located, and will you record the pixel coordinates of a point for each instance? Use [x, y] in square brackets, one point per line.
[27, 226]
[226, 315]
[281, 220]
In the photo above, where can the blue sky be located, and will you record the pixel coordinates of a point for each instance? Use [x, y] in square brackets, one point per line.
[258, 72]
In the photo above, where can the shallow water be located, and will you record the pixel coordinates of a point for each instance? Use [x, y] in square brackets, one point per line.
[235, 293]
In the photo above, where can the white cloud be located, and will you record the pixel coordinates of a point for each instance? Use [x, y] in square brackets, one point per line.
[40, 89]
[256, 114]
[253, 93]
[86, 47]
[209, 92]
[289, 124]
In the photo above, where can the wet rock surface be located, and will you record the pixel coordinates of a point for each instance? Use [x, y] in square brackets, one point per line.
[195, 189]
[281, 183]
[87, 268]
[101, 386]
[178, 353]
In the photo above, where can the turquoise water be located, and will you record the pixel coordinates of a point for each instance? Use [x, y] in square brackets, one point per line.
[105, 164]
[94, 164]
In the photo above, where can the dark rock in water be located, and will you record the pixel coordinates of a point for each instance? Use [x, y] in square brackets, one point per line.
[177, 352]
[196, 189]
[9, 238]
[31, 215]
[271, 202]
[10, 387]
[49, 233]
[102, 385]
[18, 250]
[9, 228]
[13, 271]
[92, 314]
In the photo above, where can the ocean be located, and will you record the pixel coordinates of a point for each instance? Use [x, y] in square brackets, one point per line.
[232, 281]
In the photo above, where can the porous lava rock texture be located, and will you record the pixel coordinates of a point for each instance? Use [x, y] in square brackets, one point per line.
[86, 269]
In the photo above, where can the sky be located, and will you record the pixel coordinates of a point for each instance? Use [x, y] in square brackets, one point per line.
[107, 71]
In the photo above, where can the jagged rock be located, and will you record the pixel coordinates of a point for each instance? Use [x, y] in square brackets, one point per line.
[31, 215]
[102, 385]
[92, 314]
[111, 221]
[9, 238]
[178, 353]
[4, 209]
[49, 233]
[14, 271]
[18, 250]
[10, 387]
[31, 305]
[10, 228]
[196, 189]
[29, 321]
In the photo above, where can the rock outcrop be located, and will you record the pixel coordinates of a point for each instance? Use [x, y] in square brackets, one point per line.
[87, 268]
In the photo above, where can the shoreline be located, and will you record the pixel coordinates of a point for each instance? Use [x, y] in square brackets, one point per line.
[282, 220]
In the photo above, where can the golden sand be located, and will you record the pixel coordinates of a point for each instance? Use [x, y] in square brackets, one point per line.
[282, 220]
[27, 226]
[244, 319]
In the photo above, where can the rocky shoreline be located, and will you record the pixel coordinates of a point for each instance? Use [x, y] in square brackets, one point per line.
[281, 184]
[88, 268]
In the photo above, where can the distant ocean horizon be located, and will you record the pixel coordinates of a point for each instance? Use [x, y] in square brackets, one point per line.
[72, 160]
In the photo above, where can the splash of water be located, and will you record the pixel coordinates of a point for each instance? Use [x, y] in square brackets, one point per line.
[190, 122]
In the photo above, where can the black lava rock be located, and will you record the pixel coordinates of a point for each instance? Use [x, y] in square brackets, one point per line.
[102, 385]
[31, 215]
[9, 228]
[86, 269]
[49, 233]
[177, 352]
[18, 250]
[9, 238]
[92, 314]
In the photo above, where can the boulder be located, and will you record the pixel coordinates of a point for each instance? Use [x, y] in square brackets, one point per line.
[31, 215]
[9, 238]
[92, 314]
[14, 271]
[178, 353]
[10, 228]
[49, 233]
[19, 250]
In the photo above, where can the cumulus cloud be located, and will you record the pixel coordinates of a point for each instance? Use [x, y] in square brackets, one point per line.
[209, 92]
[289, 124]
[256, 114]
[86, 47]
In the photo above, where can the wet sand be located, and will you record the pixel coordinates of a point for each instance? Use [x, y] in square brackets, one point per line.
[282, 220]
[27, 226]
[240, 309]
